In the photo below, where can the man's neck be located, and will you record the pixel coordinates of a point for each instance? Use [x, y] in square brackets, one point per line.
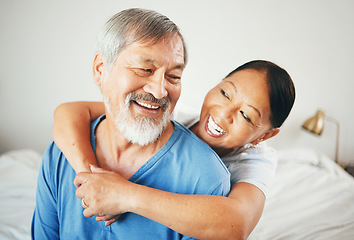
[116, 153]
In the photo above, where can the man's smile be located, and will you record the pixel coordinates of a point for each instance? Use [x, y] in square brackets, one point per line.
[147, 105]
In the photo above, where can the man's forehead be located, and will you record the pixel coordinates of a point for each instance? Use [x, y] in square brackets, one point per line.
[150, 60]
[154, 53]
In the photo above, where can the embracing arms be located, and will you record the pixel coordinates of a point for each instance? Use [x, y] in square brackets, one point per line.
[199, 216]
[71, 132]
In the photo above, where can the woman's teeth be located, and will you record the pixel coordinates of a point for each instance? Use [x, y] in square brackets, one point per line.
[143, 104]
[214, 128]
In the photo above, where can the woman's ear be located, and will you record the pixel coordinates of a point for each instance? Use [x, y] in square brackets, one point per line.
[98, 68]
[269, 134]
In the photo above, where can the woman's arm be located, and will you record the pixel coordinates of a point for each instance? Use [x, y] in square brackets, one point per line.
[198, 216]
[71, 132]
[204, 216]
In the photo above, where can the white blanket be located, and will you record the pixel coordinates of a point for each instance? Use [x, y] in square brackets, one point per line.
[18, 178]
[312, 198]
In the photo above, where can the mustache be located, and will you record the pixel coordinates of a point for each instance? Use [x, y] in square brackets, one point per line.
[164, 102]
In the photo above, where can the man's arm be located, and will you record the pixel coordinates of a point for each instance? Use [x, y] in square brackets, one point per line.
[198, 216]
[45, 224]
[76, 144]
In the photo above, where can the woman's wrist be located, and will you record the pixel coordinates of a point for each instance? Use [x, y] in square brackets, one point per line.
[83, 167]
[82, 163]
[133, 197]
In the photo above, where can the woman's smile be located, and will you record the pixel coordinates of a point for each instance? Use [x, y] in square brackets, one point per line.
[213, 129]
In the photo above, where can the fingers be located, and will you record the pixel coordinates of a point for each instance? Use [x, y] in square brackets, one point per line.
[109, 222]
[104, 217]
[80, 192]
[109, 219]
[95, 169]
[80, 179]
[93, 189]
[88, 212]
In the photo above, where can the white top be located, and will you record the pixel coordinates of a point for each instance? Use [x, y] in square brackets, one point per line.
[252, 164]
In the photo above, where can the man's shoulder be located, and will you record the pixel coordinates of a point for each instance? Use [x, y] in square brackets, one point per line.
[52, 152]
[53, 159]
[189, 146]
[190, 140]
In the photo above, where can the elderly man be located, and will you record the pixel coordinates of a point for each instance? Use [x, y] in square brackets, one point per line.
[140, 59]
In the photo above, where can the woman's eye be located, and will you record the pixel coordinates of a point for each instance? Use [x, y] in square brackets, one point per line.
[224, 94]
[245, 116]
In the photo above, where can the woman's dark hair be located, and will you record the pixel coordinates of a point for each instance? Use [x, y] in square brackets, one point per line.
[281, 89]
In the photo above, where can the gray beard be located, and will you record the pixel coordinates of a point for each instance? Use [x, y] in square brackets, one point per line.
[139, 130]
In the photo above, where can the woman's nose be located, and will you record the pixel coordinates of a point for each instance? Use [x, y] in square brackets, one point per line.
[157, 86]
[226, 113]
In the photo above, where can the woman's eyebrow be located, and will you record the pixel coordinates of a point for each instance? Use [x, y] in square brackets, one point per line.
[259, 114]
[232, 84]
[235, 89]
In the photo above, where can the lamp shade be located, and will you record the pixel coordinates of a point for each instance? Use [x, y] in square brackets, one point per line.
[315, 123]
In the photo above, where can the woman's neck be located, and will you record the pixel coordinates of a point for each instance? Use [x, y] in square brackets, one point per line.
[220, 151]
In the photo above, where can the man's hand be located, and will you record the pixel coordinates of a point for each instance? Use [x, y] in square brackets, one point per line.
[104, 193]
[109, 219]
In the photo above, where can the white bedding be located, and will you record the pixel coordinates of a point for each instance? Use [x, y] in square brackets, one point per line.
[312, 198]
[18, 177]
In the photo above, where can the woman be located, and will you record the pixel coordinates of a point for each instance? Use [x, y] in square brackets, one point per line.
[245, 109]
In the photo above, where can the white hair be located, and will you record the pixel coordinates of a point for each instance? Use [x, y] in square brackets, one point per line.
[134, 25]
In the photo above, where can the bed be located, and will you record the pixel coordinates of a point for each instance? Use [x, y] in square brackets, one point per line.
[311, 198]
[18, 177]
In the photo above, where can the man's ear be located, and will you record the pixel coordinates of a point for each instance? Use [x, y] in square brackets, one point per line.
[269, 134]
[98, 69]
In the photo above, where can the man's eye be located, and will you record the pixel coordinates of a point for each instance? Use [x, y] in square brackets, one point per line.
[146, 70]
[245, 116]
[224, 94]
[143, 72]
[174, 77]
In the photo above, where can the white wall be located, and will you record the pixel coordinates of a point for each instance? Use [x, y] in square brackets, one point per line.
[47, 48]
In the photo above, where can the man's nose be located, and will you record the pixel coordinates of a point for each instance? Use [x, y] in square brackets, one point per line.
[156, 86]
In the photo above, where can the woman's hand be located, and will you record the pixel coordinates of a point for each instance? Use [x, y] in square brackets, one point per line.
[104, 193]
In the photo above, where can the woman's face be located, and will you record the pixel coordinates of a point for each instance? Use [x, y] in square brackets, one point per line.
[236, 111]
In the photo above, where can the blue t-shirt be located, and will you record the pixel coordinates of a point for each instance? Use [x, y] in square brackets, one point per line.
[184, 165]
